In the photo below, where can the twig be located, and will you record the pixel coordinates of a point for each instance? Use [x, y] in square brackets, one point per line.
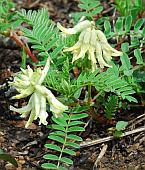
[136, 121]
[109, 138]
[103, 150]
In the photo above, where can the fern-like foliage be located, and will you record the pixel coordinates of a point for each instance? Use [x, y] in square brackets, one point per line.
[111, 106]
[7, 19]
[123, 28]
[90, 9]
[127, 7]
[33, 18]
[43, 36]
[63, 133]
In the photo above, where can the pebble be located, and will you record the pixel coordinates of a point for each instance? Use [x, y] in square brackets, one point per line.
[9, 166]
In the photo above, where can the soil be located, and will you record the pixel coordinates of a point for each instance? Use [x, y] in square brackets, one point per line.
[27, 145]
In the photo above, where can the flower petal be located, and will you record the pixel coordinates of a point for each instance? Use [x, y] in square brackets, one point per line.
[36, 97]
[79, 27]
[87, 36]
[75, 47]
[43, 114]
[101, 36]
[55, 106]
[24, 93]
[31, 118]
[91, 57]
[44, 71]
[101, 61]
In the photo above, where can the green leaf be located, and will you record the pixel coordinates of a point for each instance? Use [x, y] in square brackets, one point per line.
[56, 138]
[131, 99]
[138, 25]
[58, 133]
[8, 158]
[97, 10]
[75, 137]
[51, 157]
[38, 47]
[128, 23]
[121, 125]
[61, 168]
[72, 144]
[125, 47]
[76, 123]
[53, 147]
[79, 109]
[56, 127]
[93, 5]
[60, 121]
[119, 25]
[75, 129]
[79, 116]
[69, 151]
[125, 62]
[107, 27]
[137, 54]
[51, 43]
[49, 166]
[83, 6]
[118, 134]
[66, 160]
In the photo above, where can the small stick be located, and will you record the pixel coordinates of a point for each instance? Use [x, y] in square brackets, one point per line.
[103, 150]
[109, 138]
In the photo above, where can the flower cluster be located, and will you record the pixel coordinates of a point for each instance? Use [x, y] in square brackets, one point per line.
[91, 41]
[29, 83]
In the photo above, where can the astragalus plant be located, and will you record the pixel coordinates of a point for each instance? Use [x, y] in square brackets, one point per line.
[78, 72]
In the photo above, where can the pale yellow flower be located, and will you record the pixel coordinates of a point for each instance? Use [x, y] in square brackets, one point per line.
[91, 42]
[29, 82]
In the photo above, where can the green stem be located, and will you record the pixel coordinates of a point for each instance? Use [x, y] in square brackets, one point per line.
[65, 140]
[95, 97]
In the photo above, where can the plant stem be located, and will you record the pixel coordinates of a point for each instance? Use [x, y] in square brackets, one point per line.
[89, 94]
[65, 140]
[95, 97]
[15, 37]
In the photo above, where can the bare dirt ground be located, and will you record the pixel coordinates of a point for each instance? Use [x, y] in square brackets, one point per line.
[27, 145]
